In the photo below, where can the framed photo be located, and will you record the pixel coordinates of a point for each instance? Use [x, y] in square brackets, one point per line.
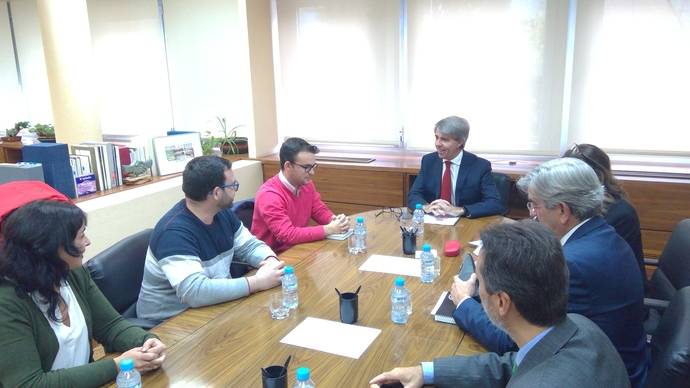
[173, 152]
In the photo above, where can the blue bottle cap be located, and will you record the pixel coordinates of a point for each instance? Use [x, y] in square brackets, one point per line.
[400, 281]
[126, 365]
[302, 374]
[426, 248]
[289, 269]
[360, 219]
[418, 206]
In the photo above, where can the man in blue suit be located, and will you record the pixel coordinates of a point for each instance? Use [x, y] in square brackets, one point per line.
[452, 181]
[604, 285]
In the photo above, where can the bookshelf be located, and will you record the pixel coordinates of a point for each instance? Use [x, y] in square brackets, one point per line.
[11, 152]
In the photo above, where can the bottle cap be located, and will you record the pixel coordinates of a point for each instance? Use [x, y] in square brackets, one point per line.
[302, 374]
[418, 206]
[360, 219]
[126, 365]
[426, 248]
[289, 269]
[399, 281]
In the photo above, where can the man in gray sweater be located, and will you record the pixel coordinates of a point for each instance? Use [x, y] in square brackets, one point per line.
[194, 244]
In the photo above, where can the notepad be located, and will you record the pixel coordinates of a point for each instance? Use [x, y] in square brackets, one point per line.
[332, 337]
[339, 236]
[392, 264]
[444, 308]
[433, 220]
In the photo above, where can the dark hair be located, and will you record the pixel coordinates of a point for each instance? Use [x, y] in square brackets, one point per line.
[293, 146]
[202, 174]
[596, 158]
[525, 260]
[34, 233]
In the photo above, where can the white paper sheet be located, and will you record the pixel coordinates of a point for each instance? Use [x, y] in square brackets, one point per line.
[448, 221]
[478, 244]
[332, 337]
[339, 236]
[393, 265]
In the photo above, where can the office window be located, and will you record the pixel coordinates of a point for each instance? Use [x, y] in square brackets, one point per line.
[492, 63]
[631, 79]
[10, 92]
[208, 64]
[337, 77]
[130, 68]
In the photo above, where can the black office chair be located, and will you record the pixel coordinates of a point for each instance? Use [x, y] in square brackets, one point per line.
[244, 210]
[118, 272]
[672, 273]
[670, 346]
[502, 182]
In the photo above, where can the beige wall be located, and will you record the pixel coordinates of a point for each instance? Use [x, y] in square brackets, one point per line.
[116, 216]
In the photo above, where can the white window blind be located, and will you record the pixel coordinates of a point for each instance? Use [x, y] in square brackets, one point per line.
[11, 100]
[631, 79]
[129, 56]
[209, 73]
[338, 70]
[490, 62]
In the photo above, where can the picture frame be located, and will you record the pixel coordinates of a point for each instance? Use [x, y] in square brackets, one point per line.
[173, 152]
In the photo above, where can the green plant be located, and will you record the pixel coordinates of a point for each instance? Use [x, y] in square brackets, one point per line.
[18, 126]
[209, 143]
[229, 137]
[43, 130]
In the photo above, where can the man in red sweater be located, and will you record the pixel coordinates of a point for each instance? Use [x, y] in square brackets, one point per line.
[285, 203]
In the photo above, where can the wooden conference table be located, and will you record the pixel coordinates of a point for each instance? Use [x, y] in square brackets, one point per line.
[226, 344]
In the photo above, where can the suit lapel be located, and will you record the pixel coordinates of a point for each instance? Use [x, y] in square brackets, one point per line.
[465, 168]
[436, 170]
[548, 346]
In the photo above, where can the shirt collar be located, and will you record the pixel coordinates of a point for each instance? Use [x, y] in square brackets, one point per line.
[456, 160]
[522, 352]
[287, 184]
[566, 236]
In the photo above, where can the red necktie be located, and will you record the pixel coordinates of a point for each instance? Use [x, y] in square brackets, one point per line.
[445, 182]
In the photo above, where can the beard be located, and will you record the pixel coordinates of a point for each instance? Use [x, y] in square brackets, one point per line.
[493, 316]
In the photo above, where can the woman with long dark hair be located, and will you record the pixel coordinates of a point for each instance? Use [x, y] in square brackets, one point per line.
[50, 309]
[618, 212]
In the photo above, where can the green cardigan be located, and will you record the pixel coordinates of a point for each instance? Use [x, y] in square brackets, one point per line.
[28, 345]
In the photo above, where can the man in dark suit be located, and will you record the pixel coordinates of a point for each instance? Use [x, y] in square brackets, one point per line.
[452, 181]
[520, 264]
[605, 285]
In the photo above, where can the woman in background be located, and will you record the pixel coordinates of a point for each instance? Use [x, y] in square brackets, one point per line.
[618, 212]
[50, 308]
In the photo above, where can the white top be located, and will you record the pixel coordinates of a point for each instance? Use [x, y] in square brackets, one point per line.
[566, 236]
[454, 168]
[73, 340]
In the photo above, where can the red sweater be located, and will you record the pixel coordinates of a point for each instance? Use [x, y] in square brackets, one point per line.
[281, 218]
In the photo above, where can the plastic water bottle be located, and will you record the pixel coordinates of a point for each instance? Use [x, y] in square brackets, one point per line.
[303, 379]
[361, 235]
[400, 302]
[289, 281]
[128, 376]
[428, 262]
[418, 219]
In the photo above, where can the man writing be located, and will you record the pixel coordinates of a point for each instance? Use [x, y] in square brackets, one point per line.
[452, 181]
[288, 201]
[194, 244]
[605, 285]
[523, 283]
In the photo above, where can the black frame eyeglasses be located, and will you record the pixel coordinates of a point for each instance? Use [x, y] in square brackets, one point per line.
[234, 186]
[395, 211]
[307, 167]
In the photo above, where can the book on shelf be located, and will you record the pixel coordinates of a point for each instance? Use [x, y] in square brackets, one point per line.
[85, 184]
[444, 308]
[90, 152]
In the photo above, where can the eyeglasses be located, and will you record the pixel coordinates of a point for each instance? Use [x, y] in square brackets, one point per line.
[532, 207]
[395, 211]
[307, 167]
[234, 186]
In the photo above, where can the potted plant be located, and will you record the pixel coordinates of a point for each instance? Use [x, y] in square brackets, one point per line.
[11, 133]
[229, 142]
[45, 132]
[209, 143]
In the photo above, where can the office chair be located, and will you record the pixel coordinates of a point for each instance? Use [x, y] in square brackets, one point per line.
[502, 182]
[670, 345]
[672, 273]
[118, 272]
[244, 210]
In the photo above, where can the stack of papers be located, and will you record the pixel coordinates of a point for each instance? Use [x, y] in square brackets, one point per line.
[393, 265]
[339, 236]
[448, 221]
